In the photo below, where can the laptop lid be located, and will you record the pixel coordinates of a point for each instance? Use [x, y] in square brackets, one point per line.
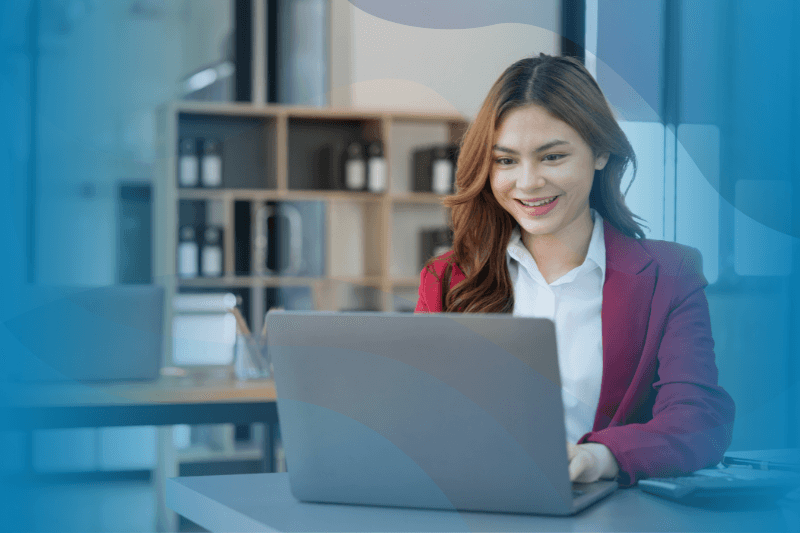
[449, 411]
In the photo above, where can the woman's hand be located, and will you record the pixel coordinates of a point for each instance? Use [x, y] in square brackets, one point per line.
[591, 461]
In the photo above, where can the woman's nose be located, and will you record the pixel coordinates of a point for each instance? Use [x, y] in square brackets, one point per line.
[530, 178]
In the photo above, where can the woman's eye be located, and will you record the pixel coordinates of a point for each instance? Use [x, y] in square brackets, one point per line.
[504, 161]
[553, 157]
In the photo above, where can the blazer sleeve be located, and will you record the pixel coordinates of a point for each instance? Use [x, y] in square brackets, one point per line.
[693, 416]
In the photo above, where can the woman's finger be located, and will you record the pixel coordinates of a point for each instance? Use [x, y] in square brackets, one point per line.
[572, 450]
[577, 466]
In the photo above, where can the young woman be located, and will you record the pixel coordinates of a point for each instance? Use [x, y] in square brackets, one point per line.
[541, 229]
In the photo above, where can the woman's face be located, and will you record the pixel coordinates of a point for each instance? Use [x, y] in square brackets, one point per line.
[542, 172]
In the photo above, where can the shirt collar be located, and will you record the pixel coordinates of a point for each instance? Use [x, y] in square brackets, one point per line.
[595, 256]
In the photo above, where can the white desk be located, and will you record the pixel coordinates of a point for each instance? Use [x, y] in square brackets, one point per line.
[263, 502]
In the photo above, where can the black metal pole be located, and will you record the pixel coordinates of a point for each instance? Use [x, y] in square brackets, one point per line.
[573, 28]
[243, 49]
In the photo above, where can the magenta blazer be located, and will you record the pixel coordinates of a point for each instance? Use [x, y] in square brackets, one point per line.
[661, 411]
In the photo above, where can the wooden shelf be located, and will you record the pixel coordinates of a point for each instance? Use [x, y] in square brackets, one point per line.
[287, 154]
[249, 281]
[366, 281]
[322, 113]
[418, 198]
[241, 109]
[341, 196]
[204, 194]
[311, 195]
[278, 281]
[410, 282]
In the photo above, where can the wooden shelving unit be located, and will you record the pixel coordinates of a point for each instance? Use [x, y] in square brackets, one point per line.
[371, 242]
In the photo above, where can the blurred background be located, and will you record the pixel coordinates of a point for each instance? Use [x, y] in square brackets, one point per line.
[173, 157]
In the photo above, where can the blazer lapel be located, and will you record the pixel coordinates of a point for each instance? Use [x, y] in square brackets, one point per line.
[627, 296]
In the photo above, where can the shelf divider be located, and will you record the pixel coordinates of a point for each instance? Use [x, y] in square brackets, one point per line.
[282, 152]
[228, 235]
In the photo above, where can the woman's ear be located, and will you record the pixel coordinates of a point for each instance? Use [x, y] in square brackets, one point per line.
[601, 160]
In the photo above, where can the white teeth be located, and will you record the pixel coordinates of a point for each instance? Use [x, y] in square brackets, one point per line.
[539, 203]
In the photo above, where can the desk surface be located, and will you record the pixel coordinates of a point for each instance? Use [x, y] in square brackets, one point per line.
[263, 502]
[187, 389]
[168, 400]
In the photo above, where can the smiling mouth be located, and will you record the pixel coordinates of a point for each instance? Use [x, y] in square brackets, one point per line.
[538, 203]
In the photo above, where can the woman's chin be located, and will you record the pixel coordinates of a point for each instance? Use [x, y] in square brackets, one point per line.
[538, 228]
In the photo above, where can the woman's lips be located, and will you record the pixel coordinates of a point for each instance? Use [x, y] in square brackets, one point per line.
[540, 201]
[539, 210]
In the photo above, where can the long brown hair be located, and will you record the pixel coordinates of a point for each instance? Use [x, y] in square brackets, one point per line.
[481, 227]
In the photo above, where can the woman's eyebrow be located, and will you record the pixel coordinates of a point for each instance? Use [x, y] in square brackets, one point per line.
[542, 148]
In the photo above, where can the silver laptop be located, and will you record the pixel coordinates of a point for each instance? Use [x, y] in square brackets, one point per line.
[443, 411]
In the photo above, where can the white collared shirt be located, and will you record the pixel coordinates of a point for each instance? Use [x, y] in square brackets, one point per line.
[574, 302]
